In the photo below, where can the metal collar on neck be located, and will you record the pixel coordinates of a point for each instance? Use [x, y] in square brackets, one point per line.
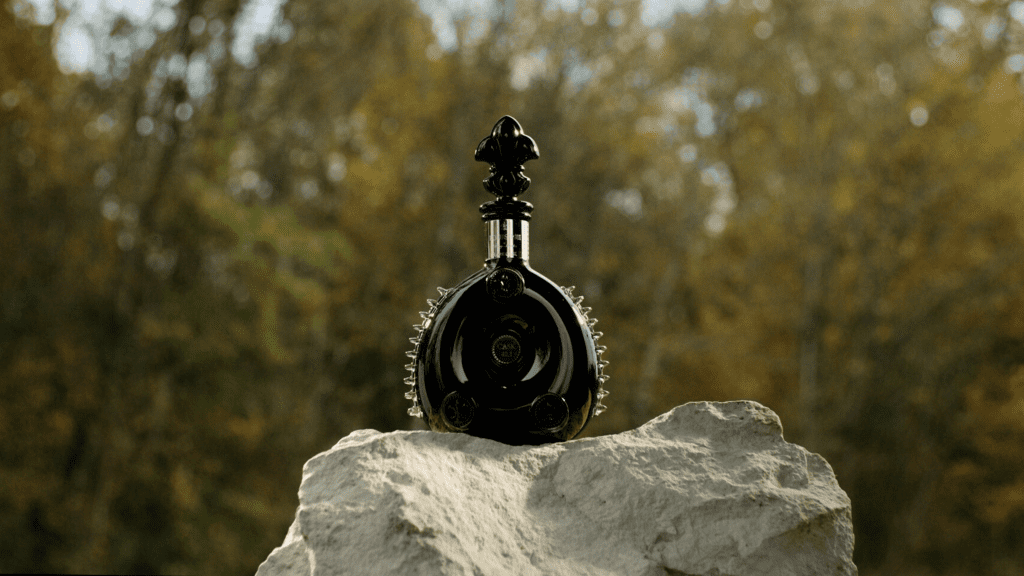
[508, 239]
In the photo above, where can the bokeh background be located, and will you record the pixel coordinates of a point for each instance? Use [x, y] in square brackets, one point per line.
[220, 218]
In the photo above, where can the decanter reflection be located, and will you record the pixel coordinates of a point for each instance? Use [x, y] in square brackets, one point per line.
[507, 354]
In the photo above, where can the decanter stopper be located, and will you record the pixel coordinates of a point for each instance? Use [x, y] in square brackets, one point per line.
[507, 354]
[506, 150]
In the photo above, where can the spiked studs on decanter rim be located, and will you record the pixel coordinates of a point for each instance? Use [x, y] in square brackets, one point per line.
[507, 354]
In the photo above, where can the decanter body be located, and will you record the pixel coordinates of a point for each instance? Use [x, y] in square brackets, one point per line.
[507, 354]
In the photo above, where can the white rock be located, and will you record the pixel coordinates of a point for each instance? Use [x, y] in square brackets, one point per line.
[705, 489]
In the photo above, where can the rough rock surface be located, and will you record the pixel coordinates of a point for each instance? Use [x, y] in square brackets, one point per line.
[705, 489]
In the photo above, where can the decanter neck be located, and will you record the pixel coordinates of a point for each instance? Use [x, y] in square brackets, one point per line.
[508, 239]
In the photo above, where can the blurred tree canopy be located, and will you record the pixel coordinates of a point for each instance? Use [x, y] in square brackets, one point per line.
[213, 256]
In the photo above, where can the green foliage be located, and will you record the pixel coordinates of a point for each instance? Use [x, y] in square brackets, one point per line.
[808, 203]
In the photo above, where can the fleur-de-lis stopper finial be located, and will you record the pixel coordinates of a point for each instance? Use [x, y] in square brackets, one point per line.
[506, 149]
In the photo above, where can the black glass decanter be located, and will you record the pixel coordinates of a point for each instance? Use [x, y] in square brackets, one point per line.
[507, 354]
